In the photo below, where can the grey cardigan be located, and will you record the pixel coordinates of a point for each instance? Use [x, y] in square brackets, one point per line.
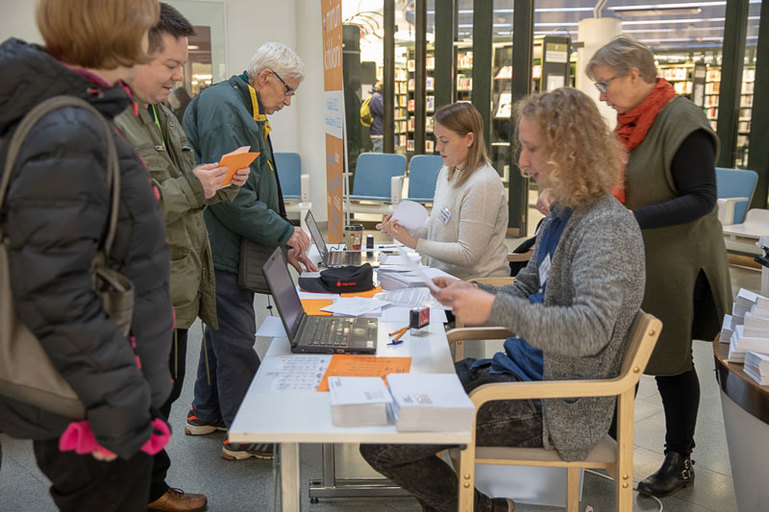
[594, 289]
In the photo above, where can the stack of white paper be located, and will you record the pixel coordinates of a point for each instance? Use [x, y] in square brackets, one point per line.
[742, 343]
[398, 280]
[747, 328]
[359, 401]
[727, 329]
[356, 306]
[432, 402]
[757, 367]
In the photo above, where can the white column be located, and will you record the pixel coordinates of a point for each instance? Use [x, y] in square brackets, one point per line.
[594, 33]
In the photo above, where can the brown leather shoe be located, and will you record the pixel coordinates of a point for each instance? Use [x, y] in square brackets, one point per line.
[176, 500]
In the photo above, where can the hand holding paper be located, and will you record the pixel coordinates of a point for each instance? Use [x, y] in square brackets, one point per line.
[414, 267]
[234, 161]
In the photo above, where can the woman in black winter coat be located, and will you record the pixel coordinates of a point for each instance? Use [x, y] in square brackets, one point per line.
[55, 216]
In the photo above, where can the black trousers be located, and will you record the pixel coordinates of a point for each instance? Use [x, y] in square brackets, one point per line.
[161, 462]
[82, 483]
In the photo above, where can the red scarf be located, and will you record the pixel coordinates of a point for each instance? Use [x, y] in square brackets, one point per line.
[633, 126]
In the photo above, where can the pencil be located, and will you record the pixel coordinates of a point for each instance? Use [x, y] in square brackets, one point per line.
[401, 333]
[398, 331]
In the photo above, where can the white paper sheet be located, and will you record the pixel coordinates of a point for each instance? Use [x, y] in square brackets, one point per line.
[354, 306]
[272, 327]
[411, 215]
[417, 269]
[400, 315]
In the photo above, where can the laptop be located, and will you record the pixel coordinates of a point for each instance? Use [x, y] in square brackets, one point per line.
[315, 334]
[337, 258]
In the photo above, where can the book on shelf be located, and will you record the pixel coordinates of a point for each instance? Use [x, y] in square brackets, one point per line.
[359, 401]
[433, 402]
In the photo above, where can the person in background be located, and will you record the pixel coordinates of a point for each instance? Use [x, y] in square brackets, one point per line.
[179, 99]
[571, 307]
[376, 107]
[670, 186]
[185, 190]
[465, 234]
[222, 118]
[55, 217]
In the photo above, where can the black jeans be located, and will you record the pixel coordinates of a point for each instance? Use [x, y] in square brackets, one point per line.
[82, 483]
[232, 360]
[417, 469]
[161, 462]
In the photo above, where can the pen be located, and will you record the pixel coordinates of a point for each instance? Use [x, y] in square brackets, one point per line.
[395, 342]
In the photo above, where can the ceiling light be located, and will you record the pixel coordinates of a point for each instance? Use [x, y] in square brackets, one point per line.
[628, 12]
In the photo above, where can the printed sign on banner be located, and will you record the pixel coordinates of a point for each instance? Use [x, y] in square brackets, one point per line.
[331, 16]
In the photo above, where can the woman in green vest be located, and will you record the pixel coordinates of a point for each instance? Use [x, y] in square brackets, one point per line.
[670, 185]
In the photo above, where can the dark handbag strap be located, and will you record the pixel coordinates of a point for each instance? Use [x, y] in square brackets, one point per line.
[113, 166]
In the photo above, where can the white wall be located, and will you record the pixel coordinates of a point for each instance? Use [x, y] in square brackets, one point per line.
[249, 24]
[17, 19]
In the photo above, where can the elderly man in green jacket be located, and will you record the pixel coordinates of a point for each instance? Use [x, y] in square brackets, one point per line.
[225, 116]
[185, 190]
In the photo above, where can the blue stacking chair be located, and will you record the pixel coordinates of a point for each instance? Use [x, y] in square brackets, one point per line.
[289, 167]
[423, 173]
[373, 176]
[734, 188]
[290, 174]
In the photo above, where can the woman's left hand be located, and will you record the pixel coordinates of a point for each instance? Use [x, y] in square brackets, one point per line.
[391, 228]
[470, 304]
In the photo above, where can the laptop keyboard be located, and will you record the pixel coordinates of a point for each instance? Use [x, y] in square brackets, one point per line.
[325, 333]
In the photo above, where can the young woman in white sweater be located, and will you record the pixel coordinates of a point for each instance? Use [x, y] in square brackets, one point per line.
[465, 234]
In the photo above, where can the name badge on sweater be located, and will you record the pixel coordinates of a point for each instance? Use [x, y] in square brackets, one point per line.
[544, 270]
[444, 215]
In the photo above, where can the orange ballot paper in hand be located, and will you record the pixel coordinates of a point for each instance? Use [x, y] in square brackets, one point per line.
[236, 160]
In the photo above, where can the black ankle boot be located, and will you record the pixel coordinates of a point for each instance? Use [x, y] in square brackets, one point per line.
[675, 473]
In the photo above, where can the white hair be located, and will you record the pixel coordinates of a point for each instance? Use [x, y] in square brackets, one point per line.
[279, 58]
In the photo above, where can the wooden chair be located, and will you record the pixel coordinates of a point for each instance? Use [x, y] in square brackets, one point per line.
[459, 345]
[614, 456]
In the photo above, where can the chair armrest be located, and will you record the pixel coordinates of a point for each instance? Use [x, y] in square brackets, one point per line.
[494, 281]
[553, 389]
[478, 334]
[520, 257]
[726, 209]
[396, 189]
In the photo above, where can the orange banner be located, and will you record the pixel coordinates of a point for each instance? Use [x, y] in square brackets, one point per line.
[331, 16]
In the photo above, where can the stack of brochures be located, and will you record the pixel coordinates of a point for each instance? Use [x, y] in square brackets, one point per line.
[359, 401]
[747, 328]
[757, 367]
[430, 402]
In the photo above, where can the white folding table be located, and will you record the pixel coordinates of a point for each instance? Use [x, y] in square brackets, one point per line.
[291, 417]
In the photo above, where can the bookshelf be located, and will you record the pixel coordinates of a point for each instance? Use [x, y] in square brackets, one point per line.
[400, 103]
[429, 101]
[679, 76]
[464, 86]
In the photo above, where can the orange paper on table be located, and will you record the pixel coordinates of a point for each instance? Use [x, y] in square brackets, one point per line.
[347, 365]
[236, 160]
[312, 306]
[368, 295]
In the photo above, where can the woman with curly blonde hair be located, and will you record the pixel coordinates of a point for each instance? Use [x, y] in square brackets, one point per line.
[577, 173]
[571, 307]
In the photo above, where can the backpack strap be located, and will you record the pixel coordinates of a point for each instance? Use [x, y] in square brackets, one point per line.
[113, 165]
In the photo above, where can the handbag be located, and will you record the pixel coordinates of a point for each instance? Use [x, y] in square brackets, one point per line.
[253, 256]
[27, 374]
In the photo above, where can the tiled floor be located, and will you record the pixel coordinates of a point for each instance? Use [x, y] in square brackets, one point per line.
[248, 485]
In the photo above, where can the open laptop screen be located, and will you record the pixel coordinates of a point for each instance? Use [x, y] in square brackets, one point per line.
[283, 291]
[317, 236]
